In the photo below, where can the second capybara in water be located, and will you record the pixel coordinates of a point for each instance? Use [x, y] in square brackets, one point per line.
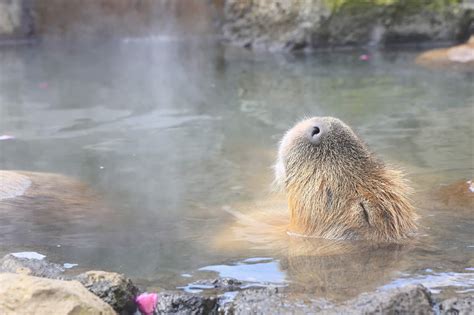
[337, 189]
[46, 207]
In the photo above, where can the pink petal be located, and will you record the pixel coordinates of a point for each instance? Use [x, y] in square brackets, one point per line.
[147, 303]
[364, 57]
[6, 137]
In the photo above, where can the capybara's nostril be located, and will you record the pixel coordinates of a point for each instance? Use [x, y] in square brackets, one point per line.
[315, 131]
[314, 134]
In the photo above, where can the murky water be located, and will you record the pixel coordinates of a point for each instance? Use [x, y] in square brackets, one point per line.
[170, 134]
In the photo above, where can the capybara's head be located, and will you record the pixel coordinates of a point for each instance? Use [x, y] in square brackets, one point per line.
[336, 188]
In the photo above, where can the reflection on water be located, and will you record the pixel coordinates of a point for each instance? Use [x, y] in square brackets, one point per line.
[251, 270]
[169, 134]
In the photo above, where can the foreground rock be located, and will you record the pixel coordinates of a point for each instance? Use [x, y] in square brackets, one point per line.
[99, 292]
[32, 267]
[22, 294]
[183, 303]
[406, 300]
[461, 56]
[458, 306]
[260, 301]
[115, 289]
[411, 299]
[293, 25]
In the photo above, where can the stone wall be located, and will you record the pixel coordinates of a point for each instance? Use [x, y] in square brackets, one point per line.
[292, 25]
[258, 24]
[105, 18]
[15, 19]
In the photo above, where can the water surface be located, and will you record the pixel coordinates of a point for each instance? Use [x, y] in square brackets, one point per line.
[171, 133]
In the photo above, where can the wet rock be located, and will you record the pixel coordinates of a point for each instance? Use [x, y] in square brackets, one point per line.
[217, 285]
[457, 306]
[260, 301]
[412, 299]
[461, 56]
[32, 267]
[272, 25]
[183, 303]
[113, 288]
[294, 25]
[22, 294]
[405, 300]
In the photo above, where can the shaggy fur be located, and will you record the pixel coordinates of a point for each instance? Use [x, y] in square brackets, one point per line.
[337, 189]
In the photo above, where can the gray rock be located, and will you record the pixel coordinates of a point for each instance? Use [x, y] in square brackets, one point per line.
[272, 25]
[183, 303]
[32, 267]
[294, 25]
[218, 285]
[113, 288]
[411, 299]
[457, 306]
[16, 19]
[406, 300]
[272, 300]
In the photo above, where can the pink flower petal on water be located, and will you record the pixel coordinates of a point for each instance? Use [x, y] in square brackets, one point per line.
[146, 303]
[6, 137]
[43, 85]
[364, 57]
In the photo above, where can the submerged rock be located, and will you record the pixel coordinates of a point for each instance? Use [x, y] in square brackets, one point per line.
[183, 303]
[113, 288]
[457, 306]
[22, 294]
[32, 267]
[293, 25]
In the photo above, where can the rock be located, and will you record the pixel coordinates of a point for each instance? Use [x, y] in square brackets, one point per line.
[270, 24]
[22, 294]
[260, 301]
[461, 56]
[293, 25]
[113, 288]
[411, 299]
[102, 19]
[183, 303]
[15, 19]
[218, 285]
[406, 300]
[10, 17]
[457, 306]
[32, 267]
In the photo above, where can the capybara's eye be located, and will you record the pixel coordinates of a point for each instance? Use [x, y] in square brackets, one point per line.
[365, 213]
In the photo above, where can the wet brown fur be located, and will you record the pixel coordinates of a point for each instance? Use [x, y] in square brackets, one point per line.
[66, 206]
[447, 57]
[337, 189]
